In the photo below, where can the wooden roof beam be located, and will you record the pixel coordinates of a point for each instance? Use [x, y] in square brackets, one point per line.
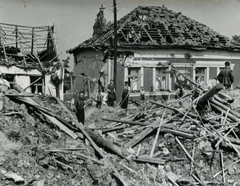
[147, 33]
[124, 35]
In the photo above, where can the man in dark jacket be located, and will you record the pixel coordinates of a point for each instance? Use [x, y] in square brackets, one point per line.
[226, 76]
[111, 94]
[125, 95]
[79, 104]
[99, 100]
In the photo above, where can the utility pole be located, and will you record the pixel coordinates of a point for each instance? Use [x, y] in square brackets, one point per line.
[115, 44]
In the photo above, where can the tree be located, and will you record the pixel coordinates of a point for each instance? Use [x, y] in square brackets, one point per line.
[236, 39]
[100, 22]
[66, 62]
[56, 74]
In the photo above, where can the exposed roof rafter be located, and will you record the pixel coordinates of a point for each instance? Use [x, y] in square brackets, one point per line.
[157, 26]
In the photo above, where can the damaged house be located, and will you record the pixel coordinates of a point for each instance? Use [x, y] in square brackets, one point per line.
[148, 39]
[27, 57]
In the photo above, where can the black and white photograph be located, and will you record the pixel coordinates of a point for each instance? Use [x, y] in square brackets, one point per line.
[119, 92]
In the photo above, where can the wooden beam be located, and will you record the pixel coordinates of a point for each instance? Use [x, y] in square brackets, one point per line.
[125, 121]
[61, 126]
[81, 127]
[205, 97]
[156, 138]
[173, 109]
[144, 159]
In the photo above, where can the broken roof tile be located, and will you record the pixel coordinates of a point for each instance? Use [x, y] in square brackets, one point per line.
[158, 26]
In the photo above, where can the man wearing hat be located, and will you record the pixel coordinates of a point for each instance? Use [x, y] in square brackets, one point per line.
[226, 76]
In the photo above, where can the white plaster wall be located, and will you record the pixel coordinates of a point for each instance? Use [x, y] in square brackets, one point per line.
[19, 71]
[179, 53]
[23, 81]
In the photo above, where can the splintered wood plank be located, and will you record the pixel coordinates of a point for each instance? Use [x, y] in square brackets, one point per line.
[61, 126]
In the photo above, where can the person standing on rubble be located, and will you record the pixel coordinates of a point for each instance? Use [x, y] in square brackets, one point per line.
[79, 104]
[179, 85]
[125, 95]
[142, 98]
[4, 86]
[99, 100]
[73, 100]
[226, 76]
[142, 94]
[111, 94]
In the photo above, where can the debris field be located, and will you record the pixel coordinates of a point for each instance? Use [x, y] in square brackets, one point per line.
[193, 140]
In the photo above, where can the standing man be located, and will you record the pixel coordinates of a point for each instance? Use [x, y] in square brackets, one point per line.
[125, 95]
[111, 93]
[79, 104]
[226, 76]
[142, 94]
[99, 100]
[142, 98]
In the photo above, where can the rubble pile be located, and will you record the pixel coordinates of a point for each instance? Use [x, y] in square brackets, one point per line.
[190, 141]
[193, 140]
[39, 152]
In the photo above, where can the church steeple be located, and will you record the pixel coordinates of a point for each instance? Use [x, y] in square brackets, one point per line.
[100, 21]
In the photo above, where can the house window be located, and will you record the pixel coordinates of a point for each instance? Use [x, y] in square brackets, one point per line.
[162, 79]
[37, 86]
[200, 76]
[9, 78]
[133, 79]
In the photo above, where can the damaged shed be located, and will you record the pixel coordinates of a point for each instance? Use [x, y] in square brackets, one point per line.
[27, 56]
[149, 37]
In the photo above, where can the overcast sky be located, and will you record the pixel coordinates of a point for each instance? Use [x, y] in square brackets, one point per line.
[74, 19]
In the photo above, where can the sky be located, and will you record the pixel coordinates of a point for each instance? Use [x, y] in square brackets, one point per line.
[74, 19]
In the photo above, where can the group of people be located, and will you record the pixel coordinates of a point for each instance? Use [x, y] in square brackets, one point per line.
[225, 77]
[78, 100]
[125, 94]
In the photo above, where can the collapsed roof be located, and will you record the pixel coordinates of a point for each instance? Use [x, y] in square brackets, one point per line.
[27, 47]
[158, 27]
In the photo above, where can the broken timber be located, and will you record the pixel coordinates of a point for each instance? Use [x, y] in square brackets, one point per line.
[125, 121]
[152, 127]
[103, 143]
[205, 97]
[81, 127]
[173, 109]
[46, 113]
[144, 159]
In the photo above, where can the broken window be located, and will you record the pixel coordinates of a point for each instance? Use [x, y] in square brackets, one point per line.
[161, 79]
[37, 86]
[9, 78]
[200, 77]
[133, 79]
